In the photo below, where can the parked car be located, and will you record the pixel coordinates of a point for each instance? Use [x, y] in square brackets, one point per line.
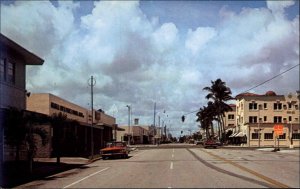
[115, 149]
[210, 143]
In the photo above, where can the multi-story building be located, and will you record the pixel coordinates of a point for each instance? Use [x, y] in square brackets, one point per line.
[13, 61]
[256, 116]
[103, 124]
[229, 118]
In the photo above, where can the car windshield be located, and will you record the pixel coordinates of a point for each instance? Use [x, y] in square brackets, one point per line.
[112, 144]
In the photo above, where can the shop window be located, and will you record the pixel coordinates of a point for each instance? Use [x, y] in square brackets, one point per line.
[282, 136]
[268, 135]
[296, 136]
[254, 135]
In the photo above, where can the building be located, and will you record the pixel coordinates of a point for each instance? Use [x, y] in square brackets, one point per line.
[78, 136]
[229, 118]
[138, 134]
[256, 116]
[13, 61]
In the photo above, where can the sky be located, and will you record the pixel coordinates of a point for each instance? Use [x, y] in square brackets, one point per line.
[162, 52]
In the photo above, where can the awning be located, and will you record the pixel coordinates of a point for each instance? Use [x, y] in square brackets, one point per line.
[232, 135]
[240, 134]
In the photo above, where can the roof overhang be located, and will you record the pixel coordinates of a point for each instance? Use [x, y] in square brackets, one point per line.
[29, 57]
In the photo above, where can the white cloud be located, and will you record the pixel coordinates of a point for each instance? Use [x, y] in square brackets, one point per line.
[279, 6]
[197, 40]
[165, 37]
[138, 60]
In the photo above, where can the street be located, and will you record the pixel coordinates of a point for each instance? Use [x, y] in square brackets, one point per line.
[184, 168]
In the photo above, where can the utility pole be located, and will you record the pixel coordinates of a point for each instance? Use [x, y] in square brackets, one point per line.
[154, 116]
[91, 83]
[128, 124]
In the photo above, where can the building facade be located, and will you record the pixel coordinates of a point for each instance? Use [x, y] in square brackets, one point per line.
[138, 134]
[13, 61]
[80, 136]
[256, 116]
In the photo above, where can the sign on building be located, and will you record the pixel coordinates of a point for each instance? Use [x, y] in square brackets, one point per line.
[278, 130]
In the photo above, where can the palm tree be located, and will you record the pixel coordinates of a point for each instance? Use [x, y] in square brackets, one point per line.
[219, 93]
[206, 116]
[20, 130]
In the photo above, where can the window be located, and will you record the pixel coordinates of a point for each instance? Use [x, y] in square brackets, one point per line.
[282, 136]
[290, 118]
[253, 106]
[81, 114]
[296, 136]
[268, 136]
[277, 106]
[11, 72]
[230, 116]
[290, 105]
[54, 105]
[296, 106]
[265, 106]
[62, 108]
[252, 119]
[254, 136]
[2, 69]
[265, 118]
[277, 119]
[68, 110]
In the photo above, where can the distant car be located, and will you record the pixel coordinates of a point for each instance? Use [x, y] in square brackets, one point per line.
[210, 143]
[200, 142]
[115, 149]
[219, 143]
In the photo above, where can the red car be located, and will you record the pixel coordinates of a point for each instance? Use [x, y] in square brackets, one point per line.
[210, 143]
[115, 149]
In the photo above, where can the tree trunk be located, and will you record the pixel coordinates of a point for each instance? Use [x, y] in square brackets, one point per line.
[17, 153]
[212, 129]
[223, 128]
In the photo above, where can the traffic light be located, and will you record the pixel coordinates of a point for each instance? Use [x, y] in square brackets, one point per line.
[182, 118]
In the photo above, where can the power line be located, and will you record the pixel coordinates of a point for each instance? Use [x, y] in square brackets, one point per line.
[253, 87]
[272, 78]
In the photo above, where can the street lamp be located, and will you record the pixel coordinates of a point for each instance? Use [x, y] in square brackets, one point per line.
[129, 109]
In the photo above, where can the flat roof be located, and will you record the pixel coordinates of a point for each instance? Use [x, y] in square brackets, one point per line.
[30, 58]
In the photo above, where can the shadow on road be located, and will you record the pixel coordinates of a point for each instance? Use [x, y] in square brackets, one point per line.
[15, 174]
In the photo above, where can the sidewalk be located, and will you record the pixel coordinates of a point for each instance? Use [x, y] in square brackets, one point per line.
[18, 174]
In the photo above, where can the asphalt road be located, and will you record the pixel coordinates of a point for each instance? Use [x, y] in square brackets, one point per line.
[184, 168]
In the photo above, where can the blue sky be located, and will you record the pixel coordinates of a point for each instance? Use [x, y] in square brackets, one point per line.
[155, 51]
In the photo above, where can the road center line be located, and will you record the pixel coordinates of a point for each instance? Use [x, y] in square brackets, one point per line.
[86, 177]
[171, 166]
